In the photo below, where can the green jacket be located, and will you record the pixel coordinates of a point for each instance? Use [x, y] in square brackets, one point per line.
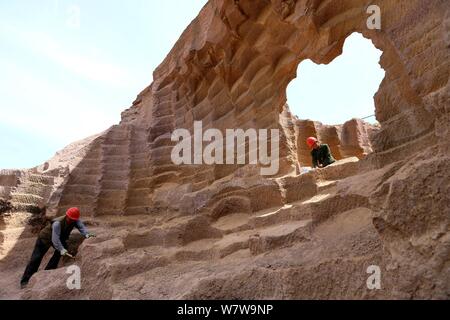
[58, 231]
[322, 155]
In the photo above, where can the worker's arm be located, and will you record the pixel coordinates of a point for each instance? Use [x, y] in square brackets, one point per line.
[328, 151]
[315, 162]
[82, 228]
[56, 234]
[328, 156]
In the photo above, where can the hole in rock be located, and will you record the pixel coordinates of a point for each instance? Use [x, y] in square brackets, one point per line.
[325, 99]
[342, 90]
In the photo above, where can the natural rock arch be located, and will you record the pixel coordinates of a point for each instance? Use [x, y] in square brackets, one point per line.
[232, 65]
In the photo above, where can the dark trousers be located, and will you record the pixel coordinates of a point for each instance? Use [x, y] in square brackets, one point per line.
[40, 249]
[327, 163]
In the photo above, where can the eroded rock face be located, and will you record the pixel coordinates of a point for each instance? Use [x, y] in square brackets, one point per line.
[223, 231]
[352, 139]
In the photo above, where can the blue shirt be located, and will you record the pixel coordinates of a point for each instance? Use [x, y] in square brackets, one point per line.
[56, 233]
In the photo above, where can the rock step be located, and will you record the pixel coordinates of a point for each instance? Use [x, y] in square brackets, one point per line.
[81, 189]
[339, 170]
[111, 197]
[200, 185]
[86, 210]
[130, 264]
[317, 208]
[93, 155]
[84, 180]
[37, 178]
[165, 177]
[139, 147]
[208, 249]
[140, 158]
[139, 192]
[139, 210]
[139, 201]
[115, 141]
[157, 130]
[112, 193]
[116, 135]
[127, 263]
[298, 187]
[279, 236]
[139, 139]
[307, 185]
[34, 188]
[136, 155]
[73, 199]
[401, 152]
[109, 210]
[115, 159]
[163, 141]
[5, 192]
[228, 243]
[140, 183]
[8, 176]
[114, 150]
[25, 207]
[79, 172]
[112, 170]
[326, 185]
[139, 164]
[333, 205]
[114, 184]
[16, 238]
[88, 164]
[116, 175]
[26, 198]
[284, 214]
[22, 243]
[120, 166]
[140, 174]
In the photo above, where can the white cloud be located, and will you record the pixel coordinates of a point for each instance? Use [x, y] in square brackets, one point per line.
[85, 66]
[90, 67]
[34, 103]
[74, 17]
[47, 110]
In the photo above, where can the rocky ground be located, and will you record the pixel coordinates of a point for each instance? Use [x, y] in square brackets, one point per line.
[317, 247]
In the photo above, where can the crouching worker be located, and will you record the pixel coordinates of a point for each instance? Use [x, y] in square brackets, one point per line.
[55, 235]
[321, 154]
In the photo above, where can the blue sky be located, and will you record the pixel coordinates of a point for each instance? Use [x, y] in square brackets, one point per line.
[341, 90]
[69, 68]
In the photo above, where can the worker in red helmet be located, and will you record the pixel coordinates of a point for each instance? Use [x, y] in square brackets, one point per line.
[55, 235]
[320, 153]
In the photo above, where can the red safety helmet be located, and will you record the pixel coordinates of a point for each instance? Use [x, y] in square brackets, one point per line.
[311, 141]
[73, 214]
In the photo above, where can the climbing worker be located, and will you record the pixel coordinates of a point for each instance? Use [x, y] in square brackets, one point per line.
[54, 234]
[321, 154]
